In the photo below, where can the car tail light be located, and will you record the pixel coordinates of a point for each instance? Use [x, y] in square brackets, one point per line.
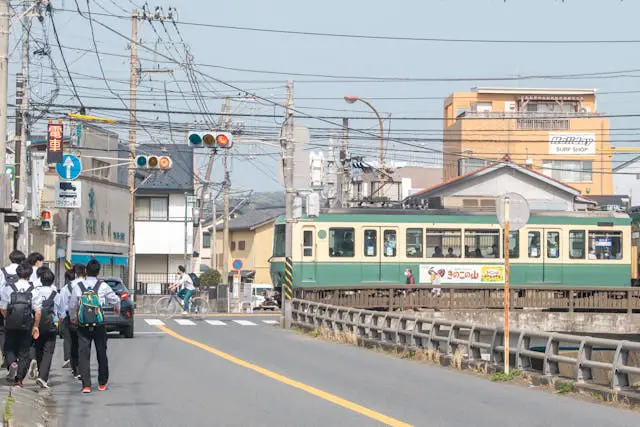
[124, 296]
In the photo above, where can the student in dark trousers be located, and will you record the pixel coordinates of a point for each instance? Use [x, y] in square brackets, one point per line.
[65, 333]
[46, 342]
[96, 334]
[21, 323]
[70, 325]
[8, 275]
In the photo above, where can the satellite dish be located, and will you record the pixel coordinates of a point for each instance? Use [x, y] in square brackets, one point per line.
[518, 210]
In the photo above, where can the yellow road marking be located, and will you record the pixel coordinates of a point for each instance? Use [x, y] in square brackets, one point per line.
[293, 383]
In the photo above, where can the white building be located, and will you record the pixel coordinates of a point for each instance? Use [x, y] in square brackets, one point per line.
[163, 218]
[626, 176]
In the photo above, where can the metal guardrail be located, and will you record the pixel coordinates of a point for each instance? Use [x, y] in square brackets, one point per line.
[475, 341]
[454, 297]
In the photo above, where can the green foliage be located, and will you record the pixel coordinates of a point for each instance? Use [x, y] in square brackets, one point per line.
[210, 277]
[564, 387]
[501, 376]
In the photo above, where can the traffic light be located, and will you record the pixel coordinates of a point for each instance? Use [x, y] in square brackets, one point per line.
[45, 217]
[154, 162]
[211, 139]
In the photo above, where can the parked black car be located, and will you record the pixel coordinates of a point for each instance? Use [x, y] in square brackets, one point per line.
[122, 322]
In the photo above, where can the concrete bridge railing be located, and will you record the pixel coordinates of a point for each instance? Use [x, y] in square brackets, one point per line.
[478, 342]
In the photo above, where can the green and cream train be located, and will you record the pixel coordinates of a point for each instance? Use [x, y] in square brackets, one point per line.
[360, 247]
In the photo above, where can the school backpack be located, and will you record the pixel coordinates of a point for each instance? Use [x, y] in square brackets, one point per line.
[9, 278]
[19, 313]
[89, 310]
[48, 315]
[195, 279]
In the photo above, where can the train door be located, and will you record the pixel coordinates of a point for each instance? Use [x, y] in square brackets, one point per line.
[380, 255]
[544, 256]
[308, 270]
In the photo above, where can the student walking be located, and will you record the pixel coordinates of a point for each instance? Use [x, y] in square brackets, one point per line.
[46, 343]
[65, 333]
[87, 301]
[70, 322]
[8, 276]
[20, 306]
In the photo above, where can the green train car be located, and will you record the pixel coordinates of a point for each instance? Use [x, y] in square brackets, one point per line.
[359, 247]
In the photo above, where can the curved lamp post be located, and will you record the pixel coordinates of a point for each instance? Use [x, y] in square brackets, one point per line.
[350, 99]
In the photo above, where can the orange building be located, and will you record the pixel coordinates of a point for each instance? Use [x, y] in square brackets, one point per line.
[555, 131]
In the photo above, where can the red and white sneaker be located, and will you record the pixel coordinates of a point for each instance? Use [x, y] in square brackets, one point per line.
[86, 389]
[103, 387]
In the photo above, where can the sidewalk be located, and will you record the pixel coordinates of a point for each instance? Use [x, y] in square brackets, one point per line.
[22, 407]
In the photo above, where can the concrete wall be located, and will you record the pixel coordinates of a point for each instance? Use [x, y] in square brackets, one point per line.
[597, 323]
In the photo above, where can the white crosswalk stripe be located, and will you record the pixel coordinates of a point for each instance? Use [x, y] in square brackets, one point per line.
[184, 322]
[154, 322]
[270, 322]
[244, 323]
[216, 322]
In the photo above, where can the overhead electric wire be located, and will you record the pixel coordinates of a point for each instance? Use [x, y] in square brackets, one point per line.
[66, 66]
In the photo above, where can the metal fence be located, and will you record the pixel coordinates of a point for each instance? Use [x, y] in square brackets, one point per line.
[479, 342]
[451, 297]
[154, 283]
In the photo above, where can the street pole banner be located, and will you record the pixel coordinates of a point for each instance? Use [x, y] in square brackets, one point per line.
[54, 142]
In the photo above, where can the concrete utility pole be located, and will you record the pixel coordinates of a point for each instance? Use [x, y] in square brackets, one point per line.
[133, 86]
[345, 179]
[226, 185]
[4, 81]
[21, 147]
[288, 142]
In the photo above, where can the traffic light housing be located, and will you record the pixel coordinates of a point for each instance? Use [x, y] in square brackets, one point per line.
[46, 220]
[154, 162]
[210, 139]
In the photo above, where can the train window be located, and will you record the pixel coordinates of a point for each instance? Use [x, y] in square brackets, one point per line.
[577, 245]
[390, 243]
[533, 242]
[307, 242]
[278, 241]
[482, 243]
[341, 242]
[370, 243]
[514, 244]
[605, 244]
[553, 244]
[414, 243]
[443, 243]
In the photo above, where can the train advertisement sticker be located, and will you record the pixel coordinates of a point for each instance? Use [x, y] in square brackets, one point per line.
[459, 273]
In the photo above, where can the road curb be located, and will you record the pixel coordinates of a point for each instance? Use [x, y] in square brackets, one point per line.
[24, 407]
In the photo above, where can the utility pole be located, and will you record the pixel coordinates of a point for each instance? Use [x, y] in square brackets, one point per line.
[214, 234]
[22, 242]
[226, 185]
[287, 141]
[133, 86]
[4, 81]
[345, 180]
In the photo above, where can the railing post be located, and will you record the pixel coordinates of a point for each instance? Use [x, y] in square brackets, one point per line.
[571, 301]
[391, 296]
[621, 358]
[584, 373]
[629, 293]
[550, 367]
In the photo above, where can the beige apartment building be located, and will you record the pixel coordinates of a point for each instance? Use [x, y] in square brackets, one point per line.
[558, 132]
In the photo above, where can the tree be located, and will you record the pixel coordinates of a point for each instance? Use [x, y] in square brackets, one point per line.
[210, 277]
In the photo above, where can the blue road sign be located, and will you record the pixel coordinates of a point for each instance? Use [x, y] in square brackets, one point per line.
[69, 168]
[237, 264]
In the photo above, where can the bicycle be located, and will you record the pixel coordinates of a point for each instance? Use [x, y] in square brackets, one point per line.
[172, 304]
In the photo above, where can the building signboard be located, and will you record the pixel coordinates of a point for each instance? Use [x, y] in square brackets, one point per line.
[461, 273]
[572, 144]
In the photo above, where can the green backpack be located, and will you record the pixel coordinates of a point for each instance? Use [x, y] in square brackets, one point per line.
[89, 310]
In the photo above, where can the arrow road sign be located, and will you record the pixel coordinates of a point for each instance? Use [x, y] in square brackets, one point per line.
[69, 168]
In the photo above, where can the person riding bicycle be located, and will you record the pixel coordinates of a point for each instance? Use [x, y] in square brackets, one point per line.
[187, 289]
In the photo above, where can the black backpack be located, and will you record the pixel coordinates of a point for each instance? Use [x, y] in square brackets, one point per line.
[47, 318]
[9, 278]
[19, 313]
[195, 279]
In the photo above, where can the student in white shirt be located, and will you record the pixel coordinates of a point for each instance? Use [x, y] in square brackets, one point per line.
[19, 340]
[46, 342]
[36, 260]
[8, 273]
[96, 334]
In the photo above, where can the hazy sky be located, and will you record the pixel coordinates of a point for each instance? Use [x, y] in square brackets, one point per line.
[255, 164]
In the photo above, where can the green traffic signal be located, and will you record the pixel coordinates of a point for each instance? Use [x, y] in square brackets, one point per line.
[195, 139]
[141, 161]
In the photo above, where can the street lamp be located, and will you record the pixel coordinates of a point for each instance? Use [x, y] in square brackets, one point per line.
[350, 99]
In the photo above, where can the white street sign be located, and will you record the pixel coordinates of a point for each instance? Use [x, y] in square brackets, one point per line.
[68, 194]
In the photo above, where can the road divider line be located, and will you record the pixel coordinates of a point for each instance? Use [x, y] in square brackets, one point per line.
[154, 322]
[288, 381]
[216, 322]
[244, 323]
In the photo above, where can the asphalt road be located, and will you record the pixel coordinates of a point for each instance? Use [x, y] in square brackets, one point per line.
[251, 373]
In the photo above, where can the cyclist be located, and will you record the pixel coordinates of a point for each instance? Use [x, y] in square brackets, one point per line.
[187, 289]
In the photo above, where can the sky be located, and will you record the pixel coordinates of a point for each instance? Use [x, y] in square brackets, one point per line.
[271, 56]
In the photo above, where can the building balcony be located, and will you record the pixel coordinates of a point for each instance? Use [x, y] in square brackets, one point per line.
[531, 120]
